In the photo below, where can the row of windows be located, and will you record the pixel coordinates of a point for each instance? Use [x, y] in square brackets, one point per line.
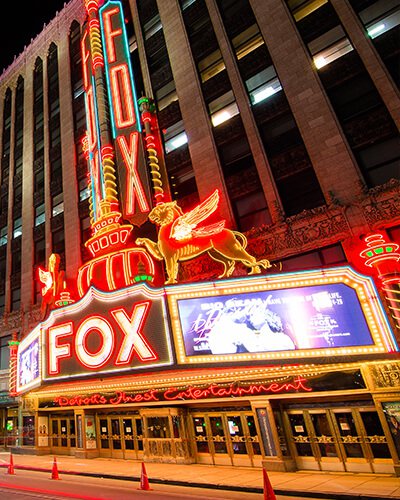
[322, 31]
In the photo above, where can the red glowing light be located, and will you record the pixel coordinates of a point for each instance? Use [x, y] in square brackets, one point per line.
[110, 33]
[134, 187]
[85, 59]
[91, 118]
[190, 393]
[135, 342]
[76, 342]
[121, 90]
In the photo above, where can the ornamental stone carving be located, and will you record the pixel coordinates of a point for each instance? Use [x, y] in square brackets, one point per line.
[305, 231]
[386, 375]
[382, 204]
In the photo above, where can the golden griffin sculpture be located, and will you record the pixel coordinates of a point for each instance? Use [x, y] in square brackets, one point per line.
[180, 239]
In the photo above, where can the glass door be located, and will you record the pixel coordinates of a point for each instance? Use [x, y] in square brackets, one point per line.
[62, 432]
[238, 439]
[361, 436]
[376, 442]
[116, 437]
[138, 437]
[300, 440]
[325, 444]
[120, 436]
[342, 439]
[253, 440]
[104, 432]
[202, 439]
[218, 440]
[226, 439]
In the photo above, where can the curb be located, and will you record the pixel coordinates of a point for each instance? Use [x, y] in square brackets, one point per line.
[227, 487]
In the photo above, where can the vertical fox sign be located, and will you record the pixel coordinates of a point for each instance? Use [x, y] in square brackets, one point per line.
[125, 117]
[113, 124]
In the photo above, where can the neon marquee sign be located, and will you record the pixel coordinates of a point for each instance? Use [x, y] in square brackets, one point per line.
[298, 384]
[125, 116]
[106, 332]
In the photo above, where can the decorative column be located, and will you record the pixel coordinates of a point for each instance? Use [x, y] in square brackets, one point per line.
[13, 346]
[154, 149]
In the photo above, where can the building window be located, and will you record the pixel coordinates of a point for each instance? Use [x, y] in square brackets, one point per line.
[176, 142]
[285, 150]
[223, 108]
[4, 352]
[15, 299]
[40, 215]
[381, 20]
[361, 112]
[17, 231]
[324, 257]
[84, 189]
[58, 205]
[58, 241]
[263, 85]
[3, 236]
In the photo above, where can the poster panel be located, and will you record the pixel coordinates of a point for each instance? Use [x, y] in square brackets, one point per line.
[329, 312]
[392, 414]
[317, 317]
[28, 362]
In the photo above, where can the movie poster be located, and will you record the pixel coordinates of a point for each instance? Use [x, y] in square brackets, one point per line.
[392, 413]
[28, 363]
[312, 317]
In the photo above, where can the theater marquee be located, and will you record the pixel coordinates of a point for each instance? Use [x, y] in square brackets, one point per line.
[103, 333]
[333, 312]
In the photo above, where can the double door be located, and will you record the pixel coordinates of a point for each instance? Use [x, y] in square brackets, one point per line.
[226, 439]
[339, 439]
[120, 436]
[62, 432]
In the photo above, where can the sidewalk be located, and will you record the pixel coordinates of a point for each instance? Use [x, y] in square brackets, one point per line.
[300, 484]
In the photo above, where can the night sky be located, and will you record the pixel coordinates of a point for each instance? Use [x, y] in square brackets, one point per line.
[21, 21]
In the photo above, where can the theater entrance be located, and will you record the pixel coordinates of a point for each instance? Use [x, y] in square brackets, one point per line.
[338, 439]
[62, 435]
[120, 436]
[228, 438]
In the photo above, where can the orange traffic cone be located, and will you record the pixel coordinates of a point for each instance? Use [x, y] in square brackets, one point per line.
[268, 491]
[11, 465]
[54, 472]
[144, 480]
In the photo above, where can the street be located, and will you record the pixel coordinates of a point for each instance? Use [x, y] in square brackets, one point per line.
[25, 485]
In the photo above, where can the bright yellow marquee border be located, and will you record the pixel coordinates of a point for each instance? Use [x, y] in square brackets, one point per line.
[366, 292]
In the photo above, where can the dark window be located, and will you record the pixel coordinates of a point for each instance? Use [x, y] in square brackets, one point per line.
[324, 257]
[283, 144]
[4, 352]
[365, 120]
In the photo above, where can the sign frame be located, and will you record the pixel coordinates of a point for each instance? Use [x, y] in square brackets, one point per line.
[367, 294]
[28, 341]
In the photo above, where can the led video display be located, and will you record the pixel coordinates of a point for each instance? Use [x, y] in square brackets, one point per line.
[329, 313]
[316, 317]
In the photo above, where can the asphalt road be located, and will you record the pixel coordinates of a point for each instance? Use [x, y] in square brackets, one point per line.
[28, 485]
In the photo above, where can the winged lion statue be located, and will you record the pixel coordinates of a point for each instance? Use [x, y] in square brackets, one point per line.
[180, 239]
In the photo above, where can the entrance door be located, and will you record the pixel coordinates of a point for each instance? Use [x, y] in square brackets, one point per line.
[120, 436]
[226, 439]
[219, 437]
[338, 440]
[62, 433]
[363, 440]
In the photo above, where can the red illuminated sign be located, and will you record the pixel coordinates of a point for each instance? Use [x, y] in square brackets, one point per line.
[103, 332]
[132, 168]
[298, 384]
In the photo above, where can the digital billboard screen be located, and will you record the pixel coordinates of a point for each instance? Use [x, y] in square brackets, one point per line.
[28, 372]
[309, 317]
